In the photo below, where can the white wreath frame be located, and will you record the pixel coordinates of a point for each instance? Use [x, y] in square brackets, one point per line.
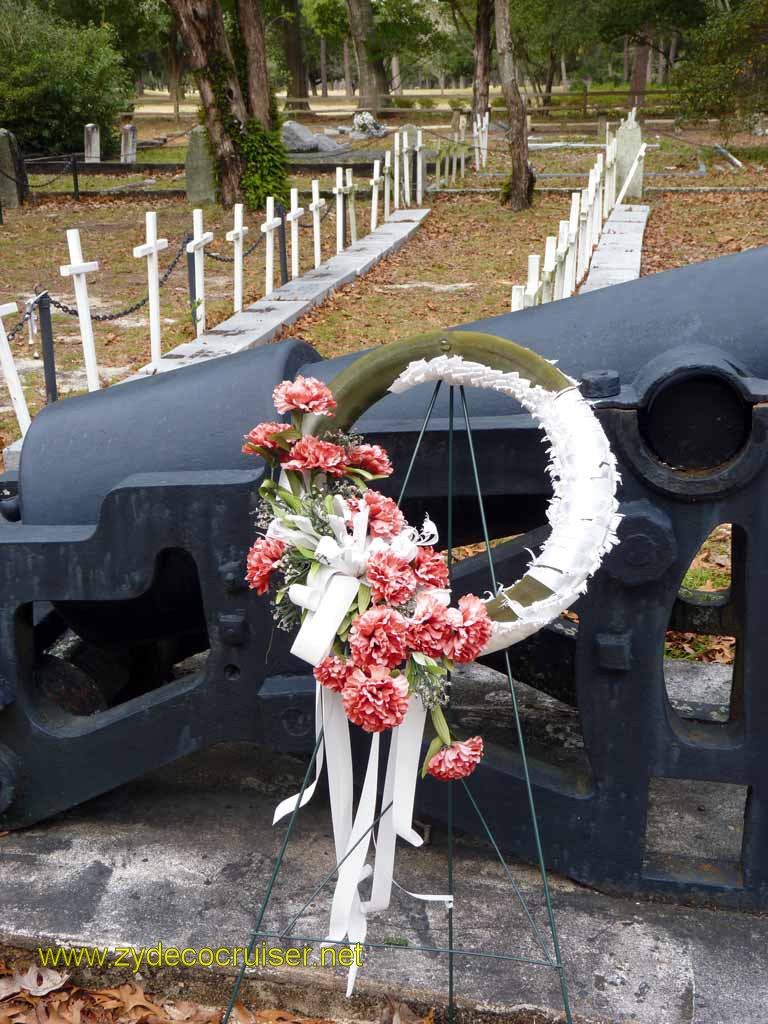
[583, 510]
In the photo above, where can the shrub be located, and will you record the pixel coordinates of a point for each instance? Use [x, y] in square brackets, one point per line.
[426, 103]
[265, 165]
[457, 104]
[56, 78]
[498, 102]
[403, 102]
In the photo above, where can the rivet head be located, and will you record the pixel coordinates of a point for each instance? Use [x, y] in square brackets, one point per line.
[445, 344]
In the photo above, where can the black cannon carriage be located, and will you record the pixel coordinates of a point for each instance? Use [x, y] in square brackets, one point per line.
[128, 637]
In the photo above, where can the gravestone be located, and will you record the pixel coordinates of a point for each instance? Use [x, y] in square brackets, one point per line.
[128, 141]
[200, 171]
[92, 144]
[297, 138]
[14, 186]
[629, 138]
[327, 145]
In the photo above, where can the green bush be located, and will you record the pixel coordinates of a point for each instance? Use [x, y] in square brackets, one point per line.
[498, 103]
[403, 102]
[457, 104]
[426, 103]
[56, 78]
[265, 166]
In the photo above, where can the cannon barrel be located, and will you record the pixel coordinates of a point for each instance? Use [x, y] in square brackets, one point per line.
[77, 451]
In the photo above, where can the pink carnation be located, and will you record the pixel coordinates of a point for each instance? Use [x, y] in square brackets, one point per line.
[370, 457]
[391, 578]
[375, 700]
[458, 760]
[470, 629]
[431, 568]
[262, 561]
[429, 630]
[307, 394]
[332, 672]
[262, 436]
[312, 453]
[384, 517]
[378, 637]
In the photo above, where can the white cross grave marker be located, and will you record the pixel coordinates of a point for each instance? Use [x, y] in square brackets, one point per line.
[518, 297]
[293, 217]
[406, 170]
[77, 270]
[396, 169]
[561, 255]
[11, 374]
[150, 249]
[316, 207]
[339, 192]
[548, 269]
[349, 194]
[387, 182]
[573, 246]
[463, 140]
[199, 241]
[269, 227]
[419, 167]
[533, 285]
[376, 180]
[237, 236]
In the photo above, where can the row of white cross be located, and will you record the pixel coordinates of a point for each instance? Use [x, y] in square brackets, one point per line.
[78, 269]
[567, 256]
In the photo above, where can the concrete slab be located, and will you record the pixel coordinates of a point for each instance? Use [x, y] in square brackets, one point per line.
[183, 855]
[618, 255]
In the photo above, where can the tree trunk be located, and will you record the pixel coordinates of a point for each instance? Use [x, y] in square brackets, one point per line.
[482, 76]
[202, 28]
[519, 192]
[563, 72]
[349, 85]
[673, 48]
[625, 72]
[294, 56]
[173, 66]
[252, 29]
[661, 74]
[373, 77]
[397, 82]
[323, 66]
[639, 74]
[649, 68]
[550, 79]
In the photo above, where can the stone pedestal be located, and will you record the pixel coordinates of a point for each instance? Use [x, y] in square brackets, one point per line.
[200, 170]
[629, 138]
[128, 140]
[92, 144]
[13, 181]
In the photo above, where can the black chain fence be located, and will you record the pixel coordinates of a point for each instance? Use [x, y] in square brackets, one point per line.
[106, 317]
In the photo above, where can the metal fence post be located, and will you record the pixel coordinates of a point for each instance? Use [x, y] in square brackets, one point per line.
[281, 242]
[49, 354]
[191, 285]
[75, 180]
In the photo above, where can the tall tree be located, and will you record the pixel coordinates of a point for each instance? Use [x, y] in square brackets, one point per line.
[519, 189]
[481, 79]
[294, 55]
[236, 99]
[373, 75]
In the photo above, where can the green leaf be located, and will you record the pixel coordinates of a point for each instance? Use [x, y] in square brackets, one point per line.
[289, 499]
[363, 597]
[436, 745]
[441, 726]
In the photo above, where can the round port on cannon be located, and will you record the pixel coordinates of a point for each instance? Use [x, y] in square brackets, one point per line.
[696, 422]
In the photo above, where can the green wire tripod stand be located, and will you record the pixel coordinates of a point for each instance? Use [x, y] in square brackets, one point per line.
[550, 957]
